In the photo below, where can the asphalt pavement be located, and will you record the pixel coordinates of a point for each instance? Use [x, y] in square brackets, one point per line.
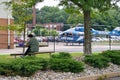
[62, 47]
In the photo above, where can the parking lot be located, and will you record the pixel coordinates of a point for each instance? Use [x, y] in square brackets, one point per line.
[62, 47]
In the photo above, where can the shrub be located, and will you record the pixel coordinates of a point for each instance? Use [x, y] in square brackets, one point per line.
[66, 65]
[42, 62]
[114, 55]
[27, 67]
[109, 53]
[97, 61]
[5, 69]
[62, 55]
[23, 66]
[115, 59]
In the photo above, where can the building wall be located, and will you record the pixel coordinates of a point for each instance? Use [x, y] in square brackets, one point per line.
[54, 26]
[4, 35]
[5, 19]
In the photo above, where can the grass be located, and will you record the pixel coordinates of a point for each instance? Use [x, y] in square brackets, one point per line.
[73, 54]
[4, 58]
[43, 55]
[115, 43]
[7, 58]
[76, 54]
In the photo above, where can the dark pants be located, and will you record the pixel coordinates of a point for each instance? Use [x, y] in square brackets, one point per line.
[27, 52]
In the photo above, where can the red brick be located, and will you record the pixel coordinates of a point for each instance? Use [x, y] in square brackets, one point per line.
[4, 35]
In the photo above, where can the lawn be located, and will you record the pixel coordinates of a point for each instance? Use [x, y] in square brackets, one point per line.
[7, 58]
[115, 43]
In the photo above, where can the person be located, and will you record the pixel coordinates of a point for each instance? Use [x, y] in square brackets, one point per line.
[32, 44]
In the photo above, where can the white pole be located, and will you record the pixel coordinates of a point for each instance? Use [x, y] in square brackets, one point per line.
[8, 30]
[8, 33]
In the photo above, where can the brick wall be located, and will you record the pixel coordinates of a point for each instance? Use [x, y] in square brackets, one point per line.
[4, 35]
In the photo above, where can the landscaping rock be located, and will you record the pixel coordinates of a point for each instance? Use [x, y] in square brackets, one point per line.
[51, 75]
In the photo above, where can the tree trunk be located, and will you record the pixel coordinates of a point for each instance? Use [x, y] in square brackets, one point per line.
[87, 33]
[24, 37]
[34, 16]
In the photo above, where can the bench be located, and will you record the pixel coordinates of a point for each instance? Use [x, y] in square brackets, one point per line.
[20, 54]
[39, 46]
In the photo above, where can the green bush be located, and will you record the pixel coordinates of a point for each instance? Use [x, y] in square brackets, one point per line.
[5, 69]
[26, 67]
[43, 62]
[66, 65]
[97, 61]
[115, 59]
[62, 55]
[23, 66]
[109, 53]
[114, 55]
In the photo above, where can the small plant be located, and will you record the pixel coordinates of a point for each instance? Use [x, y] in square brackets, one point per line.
[97, 61]
[5, 69]
[66, 65]
[109, 53]
[23, 66]
[62, 55]
[114, 55]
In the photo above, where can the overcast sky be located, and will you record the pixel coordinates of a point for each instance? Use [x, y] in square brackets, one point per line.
[47, 3]
[50, 3]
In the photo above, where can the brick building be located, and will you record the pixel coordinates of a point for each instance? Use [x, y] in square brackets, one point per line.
[54, 26]
[49, 26]
[6, 36]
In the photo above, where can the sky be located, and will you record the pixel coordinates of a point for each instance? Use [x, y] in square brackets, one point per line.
[47, 3]
[51, 3]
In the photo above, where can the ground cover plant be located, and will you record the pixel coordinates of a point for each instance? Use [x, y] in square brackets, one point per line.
[97, 61]
[27, 66]
[23, 66]
[114, 55]
[63, 62]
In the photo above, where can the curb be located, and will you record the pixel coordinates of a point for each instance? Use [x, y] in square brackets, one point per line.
[96, 77]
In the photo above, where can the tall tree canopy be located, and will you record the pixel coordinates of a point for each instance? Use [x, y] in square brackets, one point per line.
[22, 11]
[109, 18]
[51, 14]
[20, 8]
[87, 6]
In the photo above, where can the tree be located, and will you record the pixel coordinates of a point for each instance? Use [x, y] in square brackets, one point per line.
[53, 33]
[20, 9]
[87, 6]
[40, 31]
[34, 10]
[109, 18]
[75, 18]
[51, 14]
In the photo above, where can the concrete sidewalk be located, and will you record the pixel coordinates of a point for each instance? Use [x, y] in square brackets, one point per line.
[62, 48]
